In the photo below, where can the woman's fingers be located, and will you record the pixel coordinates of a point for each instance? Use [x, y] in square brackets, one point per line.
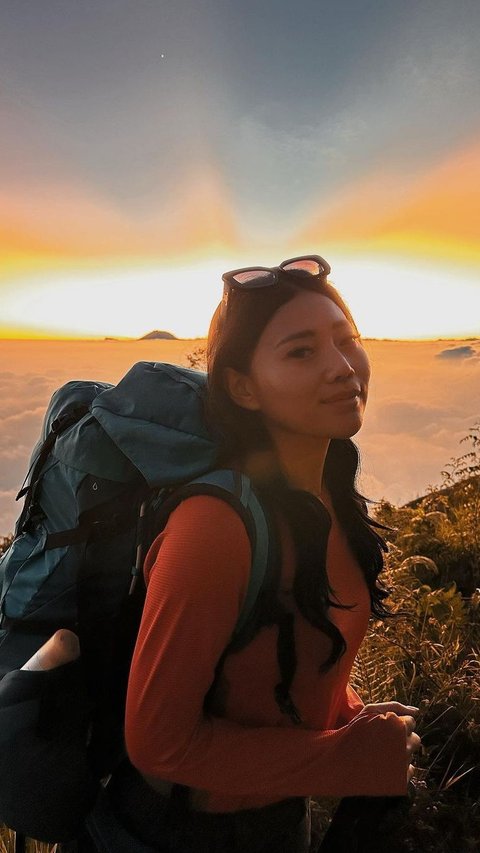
[410, 772]
[413, 740]
[385, 707]
[410, 723]
[414, 743]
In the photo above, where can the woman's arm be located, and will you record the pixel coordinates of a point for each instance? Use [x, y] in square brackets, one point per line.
[196, 586]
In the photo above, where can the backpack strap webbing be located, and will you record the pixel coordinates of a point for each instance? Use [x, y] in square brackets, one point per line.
[70, 416]
[236, 489]
[100, 522]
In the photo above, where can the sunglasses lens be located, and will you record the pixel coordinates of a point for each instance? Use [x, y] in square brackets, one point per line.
[307, 266]
[253, 278]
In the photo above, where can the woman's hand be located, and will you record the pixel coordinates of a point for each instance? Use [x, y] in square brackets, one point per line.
[395, 707]
[407, 714]
[413, 742]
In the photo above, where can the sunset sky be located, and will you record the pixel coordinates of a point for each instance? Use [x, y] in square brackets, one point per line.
[149, 145]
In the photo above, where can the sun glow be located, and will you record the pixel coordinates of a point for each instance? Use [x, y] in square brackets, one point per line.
[396, 298]
[115, 303]
[389, 298]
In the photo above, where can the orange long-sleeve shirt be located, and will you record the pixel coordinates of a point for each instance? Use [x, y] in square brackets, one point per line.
[197, 574]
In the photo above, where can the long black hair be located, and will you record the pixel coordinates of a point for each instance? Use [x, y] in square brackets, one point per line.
[234, 332]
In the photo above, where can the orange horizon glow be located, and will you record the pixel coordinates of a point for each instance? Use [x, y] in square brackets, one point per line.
[65, 223]
[391, 298]
[434, 215]
[66, 240]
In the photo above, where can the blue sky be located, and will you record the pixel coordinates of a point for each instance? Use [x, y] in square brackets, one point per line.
[152, 129]
[287, 100]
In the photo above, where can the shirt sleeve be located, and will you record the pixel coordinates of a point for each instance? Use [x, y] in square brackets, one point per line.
[197, 573]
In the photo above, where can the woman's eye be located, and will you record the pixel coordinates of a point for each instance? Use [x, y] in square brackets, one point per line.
[300, 352]
[349, 340]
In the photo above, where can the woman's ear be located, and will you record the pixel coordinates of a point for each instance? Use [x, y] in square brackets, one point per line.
[240, 389]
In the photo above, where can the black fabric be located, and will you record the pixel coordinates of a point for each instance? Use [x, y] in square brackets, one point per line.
[355, 824]
[129, 808]
[101, 521]
[17, 646]
[45, 754]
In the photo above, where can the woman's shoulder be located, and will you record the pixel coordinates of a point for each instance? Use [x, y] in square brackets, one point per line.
[205, 511]
[202, 527]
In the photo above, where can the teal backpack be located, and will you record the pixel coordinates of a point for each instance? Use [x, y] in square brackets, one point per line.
[110, 466]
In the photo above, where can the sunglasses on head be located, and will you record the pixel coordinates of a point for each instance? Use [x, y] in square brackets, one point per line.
[251, 278]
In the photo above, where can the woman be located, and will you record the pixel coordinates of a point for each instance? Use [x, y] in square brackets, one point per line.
[288, 383]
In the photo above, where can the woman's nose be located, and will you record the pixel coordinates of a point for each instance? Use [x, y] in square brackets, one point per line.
[338, 367]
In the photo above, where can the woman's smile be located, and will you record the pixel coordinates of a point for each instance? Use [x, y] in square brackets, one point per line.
[349, 401]
[351, 394]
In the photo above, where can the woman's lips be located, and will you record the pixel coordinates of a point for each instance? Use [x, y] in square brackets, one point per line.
[347, 396]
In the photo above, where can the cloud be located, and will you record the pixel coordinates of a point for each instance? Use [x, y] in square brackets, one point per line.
[7, 515]
[36, 390]
[18, 434]
[400, 467]
[398, 416]
[409, 436]
[22, 408]
[404, 448]
[457, 352]
[406, 440]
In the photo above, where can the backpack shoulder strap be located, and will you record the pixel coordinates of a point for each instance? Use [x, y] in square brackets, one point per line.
[236, 489]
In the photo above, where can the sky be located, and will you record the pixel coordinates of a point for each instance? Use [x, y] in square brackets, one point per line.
[147, 146]
[424, 397]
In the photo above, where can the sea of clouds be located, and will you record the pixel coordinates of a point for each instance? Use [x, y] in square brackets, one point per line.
[424, 398]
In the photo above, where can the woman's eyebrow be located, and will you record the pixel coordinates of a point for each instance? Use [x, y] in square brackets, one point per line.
[305, 333]
[310, 333]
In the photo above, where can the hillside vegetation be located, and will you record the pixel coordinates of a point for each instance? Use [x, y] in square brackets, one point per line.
[427, 656]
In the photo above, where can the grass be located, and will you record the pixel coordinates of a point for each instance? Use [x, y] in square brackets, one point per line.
[7, 843]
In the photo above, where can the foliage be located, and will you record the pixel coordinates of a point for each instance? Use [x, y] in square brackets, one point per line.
[444, 525]
[444, 823]
[429, 657]
[197, 358]
[7, 843]
[5, 542]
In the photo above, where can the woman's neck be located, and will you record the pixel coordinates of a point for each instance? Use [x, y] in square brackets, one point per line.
[301, 462]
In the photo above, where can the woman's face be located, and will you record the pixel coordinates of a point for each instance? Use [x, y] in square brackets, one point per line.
[308, 354]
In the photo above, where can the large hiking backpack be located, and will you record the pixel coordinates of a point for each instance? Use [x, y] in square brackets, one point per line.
[111, 464]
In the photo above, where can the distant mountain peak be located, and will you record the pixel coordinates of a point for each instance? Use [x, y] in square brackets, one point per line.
[158, 335]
